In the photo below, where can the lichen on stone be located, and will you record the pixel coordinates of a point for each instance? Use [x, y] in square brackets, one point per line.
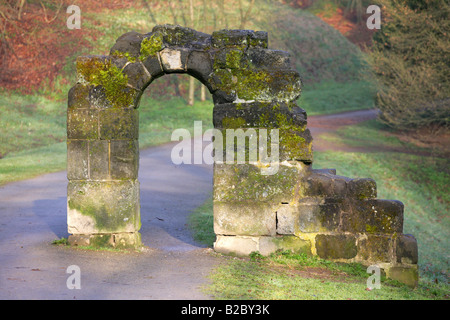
[100, 71]
[150, 46]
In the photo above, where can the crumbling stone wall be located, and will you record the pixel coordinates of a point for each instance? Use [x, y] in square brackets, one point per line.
[299, 208]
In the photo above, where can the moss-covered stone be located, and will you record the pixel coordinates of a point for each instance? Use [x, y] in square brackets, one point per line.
[119, 124]
[408, 275]
[103, 206]
[311, 216]
[129, 240]
[362, 188]
[374, 216]
[375, 248]
[239, 38]
[336, 246]
[295, 144]
[78, 97]
[82, 124]
[327, 185]
[151, 45]
[242, 182]
[178, 36]
[268, 115]
[99, 71]
[268, 245]
[99, 160]
[268, 59]
[258, 84]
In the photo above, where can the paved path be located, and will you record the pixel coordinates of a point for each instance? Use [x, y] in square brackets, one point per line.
[33, 214]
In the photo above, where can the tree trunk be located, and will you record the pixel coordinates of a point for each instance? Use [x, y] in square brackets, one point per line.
[203, 93]
[191, 99]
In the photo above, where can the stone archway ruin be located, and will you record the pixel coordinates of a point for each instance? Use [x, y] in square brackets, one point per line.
[298, 208]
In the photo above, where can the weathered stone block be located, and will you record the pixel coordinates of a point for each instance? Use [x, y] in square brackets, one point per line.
[341, 246]
[120, 123]
[374, 216]
[408, 275]
[327, 185]
[78, 97]
[82, 124]
[77, 159]
[307, 217]
[406, 250]
[375, 248]
[248, 218]
[129, 240]
[124, 159]
[129, 42]
[178, 36]
[103, 207]
[154, 66]
[81, 240]
[295, 144]
[236, 245]
[259, 39]
[249, 85]
[240, 38]
[199, 65]
[268, 59]
[98, 160]
[326, 171]
[259, 115]
[362, 188]
[268, 245]
[242, 182]
[243, 145]
[138, 76]
[174, 60]
[230, 58]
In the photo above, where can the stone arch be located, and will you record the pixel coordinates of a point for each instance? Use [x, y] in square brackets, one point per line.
[253, 87]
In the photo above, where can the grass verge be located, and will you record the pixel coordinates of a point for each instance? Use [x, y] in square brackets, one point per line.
[286, 276]
[333, 97]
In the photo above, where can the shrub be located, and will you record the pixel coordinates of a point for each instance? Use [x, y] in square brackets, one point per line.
[411, 63]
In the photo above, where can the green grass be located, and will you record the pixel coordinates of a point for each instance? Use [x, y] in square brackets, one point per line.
[294, 277]
[333, 97]
[201, 223]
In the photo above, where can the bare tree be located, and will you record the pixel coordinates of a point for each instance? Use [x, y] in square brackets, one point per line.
[150, 12]
[191, 98]
[245, 15]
